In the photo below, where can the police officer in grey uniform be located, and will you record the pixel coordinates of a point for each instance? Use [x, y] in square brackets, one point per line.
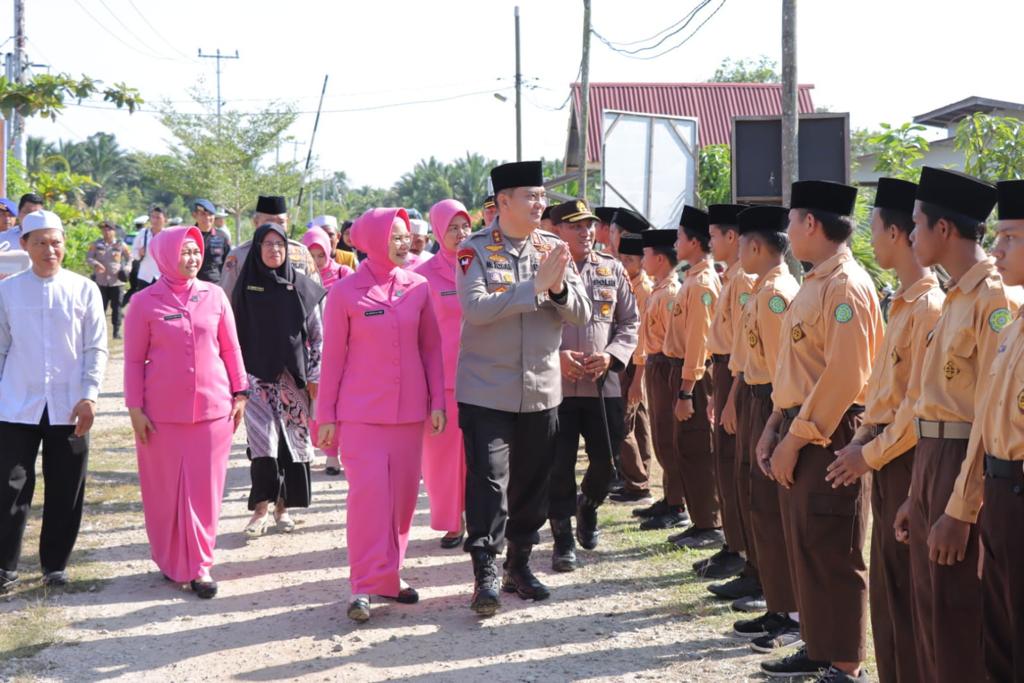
[591, 358]
[216, 246]
[517, 287]
[110, 260]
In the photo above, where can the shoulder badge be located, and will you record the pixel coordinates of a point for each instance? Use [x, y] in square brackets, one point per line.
[843, 313]
[465, 257]
[705, 298]
[1020, 401]
[999, 319]
[744, 298]
[777, 304]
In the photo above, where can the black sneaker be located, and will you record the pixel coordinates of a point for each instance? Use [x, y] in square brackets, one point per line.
[673, 519]
[767, 623]
[795, 665]
[754, 604]
[625, 496]
[699, 539]
[834, 675]
[722, 565]
[740, 587]
[786, 635]
[55, 579]
[655, 509]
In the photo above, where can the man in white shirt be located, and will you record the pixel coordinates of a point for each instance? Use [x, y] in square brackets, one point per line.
[53, 354]
[148, 271]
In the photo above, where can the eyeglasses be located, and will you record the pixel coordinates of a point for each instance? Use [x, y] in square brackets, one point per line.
[273, 246]
[399, 239]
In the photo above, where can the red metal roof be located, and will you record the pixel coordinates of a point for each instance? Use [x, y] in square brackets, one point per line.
[713, 104]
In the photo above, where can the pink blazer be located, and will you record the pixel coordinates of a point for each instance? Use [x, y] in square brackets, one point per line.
[382, 360]
[182, 364]
[441, 277]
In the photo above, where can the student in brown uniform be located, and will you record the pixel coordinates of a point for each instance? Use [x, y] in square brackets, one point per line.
[763, 245]
[884, 443]
[736, 288]
[831, 333]
[993, 466]
[949, 217]
[660, 372]
[687, 341]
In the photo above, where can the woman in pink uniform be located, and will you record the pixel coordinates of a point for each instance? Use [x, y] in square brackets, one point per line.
[444, 457]
[382, 378]
[185, 387]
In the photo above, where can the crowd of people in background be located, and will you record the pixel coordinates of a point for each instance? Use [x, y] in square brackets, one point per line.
[783, 413]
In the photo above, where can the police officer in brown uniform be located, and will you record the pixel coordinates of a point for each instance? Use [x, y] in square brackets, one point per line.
[831, 333]
[884, 443]
[736, 288]
[994, 466]
[592, 405]
[111, 260]
[763, 245]
[949, 217]
[687, 341]
[517, 287]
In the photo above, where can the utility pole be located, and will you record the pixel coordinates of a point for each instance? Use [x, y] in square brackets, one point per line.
[519, 97]
[584, 99]
[790, 121]
[18, 76]
[218, 56]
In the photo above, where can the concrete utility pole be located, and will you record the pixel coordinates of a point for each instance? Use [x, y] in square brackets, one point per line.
[18, 76]
[519, 97]
[790, 120]
[218, 56]
[584, 99]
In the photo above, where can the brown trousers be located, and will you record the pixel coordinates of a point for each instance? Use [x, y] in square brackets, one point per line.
[766, 519]
[1002, 587]
[638, 447]
[825, 529]
[725, 456]
[693, 440]
[889, 589]
[946, 600]
[745, 444]
[662, 377]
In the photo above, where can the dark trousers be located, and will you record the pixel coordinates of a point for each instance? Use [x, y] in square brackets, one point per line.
[111, 296]
[889, 589]
[64, 467]
[696, 458]
[508, 468]
[947, 600]
[825, 530]
[637, 447]
[662, 375]
[745, 444]
[280, 478]
[1002, 587]
[582, 417]
[766, 517]
[725, 456]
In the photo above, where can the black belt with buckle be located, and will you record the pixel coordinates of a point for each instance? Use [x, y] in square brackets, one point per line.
[720, 357]
[763, 391]
[997, 468]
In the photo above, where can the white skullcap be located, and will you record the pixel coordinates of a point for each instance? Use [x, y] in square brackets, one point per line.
[419, 227]
[40, 220]
[326, 220]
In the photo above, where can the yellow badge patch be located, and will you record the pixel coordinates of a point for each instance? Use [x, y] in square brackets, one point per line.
[1020, 401]
[752, 339]
[606, 309]
[797, 333]
[604, 271]
[500, 290]
[508, 277]
[950, 370]
[498, 258]
[493, 247]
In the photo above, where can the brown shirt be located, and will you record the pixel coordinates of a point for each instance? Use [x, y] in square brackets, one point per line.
[999, 426]
[690, 324]
[761, 333]
[728, 318]
[657, 313]
[895, 380]
[830, 335]
[963, 343]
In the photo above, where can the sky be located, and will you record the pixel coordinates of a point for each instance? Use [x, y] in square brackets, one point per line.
[879, 60]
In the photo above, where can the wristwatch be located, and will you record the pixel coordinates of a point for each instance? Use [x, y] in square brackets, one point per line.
[243, 394]
[684, 396]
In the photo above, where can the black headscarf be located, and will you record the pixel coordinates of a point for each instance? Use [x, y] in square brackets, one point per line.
[272, 308]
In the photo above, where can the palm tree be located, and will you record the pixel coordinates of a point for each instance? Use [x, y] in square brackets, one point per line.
[468, 179]
[37, 151]
[104, 160]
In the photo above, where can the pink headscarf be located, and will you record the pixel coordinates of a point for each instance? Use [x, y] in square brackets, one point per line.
[371, 234]
[166, 249]
[441, 215]
[316, 236]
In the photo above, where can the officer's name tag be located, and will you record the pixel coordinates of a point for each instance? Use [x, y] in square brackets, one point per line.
[495, 276]
[176, 316]
[370, 314]
[254, 288]
[449, 292]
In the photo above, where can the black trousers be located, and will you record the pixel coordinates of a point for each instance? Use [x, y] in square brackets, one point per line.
[508, 468]
[64, 466]
[111, 296]
[578, 417]
[280, 478]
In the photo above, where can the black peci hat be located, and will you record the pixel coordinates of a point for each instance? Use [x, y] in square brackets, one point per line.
[517, 174]
[1011, 200]
[271, 204]
[763, 218]
[631, 244]
[605, 214]
[724, 214]
[896, 195]
[823, 195]
[957, 192]
[630, 220]
[659, 238]
[695, 221]
[546, 213]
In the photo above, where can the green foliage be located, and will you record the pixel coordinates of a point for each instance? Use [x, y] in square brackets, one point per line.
[47, 94]
[714, 178]
[993, 146]
[747, 70]
[899, 149]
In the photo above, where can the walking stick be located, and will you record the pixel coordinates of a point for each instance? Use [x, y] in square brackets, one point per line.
[604, 418]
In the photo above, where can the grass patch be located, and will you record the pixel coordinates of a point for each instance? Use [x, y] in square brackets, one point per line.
[30, 630]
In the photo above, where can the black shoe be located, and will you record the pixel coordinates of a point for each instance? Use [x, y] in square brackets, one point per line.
[786, 635]
[587, 532]
[796, 664]
[655, 509]
[764, 625]
[449, 542]
[485, 600]
[625, 496]
[754, 604]
[359, 610]
[563, 555]
[722, 565]
[673, 519]
[408, 596]
[204, 589]
[117, 334]
[700, 539]
[518, 578]
[740, 587]
[55, 579]
[8, 581]
[332, 471]
[834, 675]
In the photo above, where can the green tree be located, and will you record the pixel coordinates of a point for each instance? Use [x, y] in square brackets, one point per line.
[714, 177]
[47, 94]
[468, 179]
[993, 146]
[425, 185]
[762, 69]
[899, 149]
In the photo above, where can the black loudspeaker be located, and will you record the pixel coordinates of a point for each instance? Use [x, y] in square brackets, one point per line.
[824, 154]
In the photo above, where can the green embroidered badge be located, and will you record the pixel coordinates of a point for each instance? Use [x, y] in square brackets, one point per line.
[843, 313]
[706, 298]
[744, 298]
[777, 304]
[999, 319]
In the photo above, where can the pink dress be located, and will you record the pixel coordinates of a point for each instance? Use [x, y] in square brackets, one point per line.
[444, 455]
[182, 363]
[381, 376]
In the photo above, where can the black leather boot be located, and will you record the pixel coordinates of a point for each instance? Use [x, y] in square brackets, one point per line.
[518, 578]
[485, 590]
[586, 523]
[563, 556]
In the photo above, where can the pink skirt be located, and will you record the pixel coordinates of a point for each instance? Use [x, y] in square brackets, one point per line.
[444, 470]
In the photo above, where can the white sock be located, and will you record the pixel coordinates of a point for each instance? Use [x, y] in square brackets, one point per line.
[795, 616]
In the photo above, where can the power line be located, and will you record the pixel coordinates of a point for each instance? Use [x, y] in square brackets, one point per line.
[158, 34]
[117, 37]
[688, 16]
[682, 24]
[633, 55]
